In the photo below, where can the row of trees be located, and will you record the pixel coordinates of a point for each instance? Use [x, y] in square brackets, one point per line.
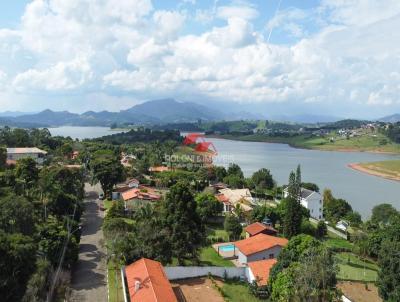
[35, 210]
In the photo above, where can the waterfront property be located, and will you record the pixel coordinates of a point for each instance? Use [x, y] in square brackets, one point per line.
[14, 154]
[312, 201]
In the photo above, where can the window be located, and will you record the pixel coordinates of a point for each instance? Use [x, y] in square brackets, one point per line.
[271, 256]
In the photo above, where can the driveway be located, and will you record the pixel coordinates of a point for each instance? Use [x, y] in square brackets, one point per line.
[89, 281]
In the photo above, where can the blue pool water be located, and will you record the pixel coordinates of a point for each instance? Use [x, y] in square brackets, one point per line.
[227, 248]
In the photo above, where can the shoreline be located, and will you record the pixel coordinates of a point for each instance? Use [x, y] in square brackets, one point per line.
[346, 150]
[359, 168]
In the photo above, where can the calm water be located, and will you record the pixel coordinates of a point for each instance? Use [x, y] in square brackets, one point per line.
[82, 132]
[327, 169]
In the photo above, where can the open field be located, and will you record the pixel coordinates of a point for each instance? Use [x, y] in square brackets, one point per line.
[208, 257]
[387, 169]
[355, 269]
[356, 291]
[377, 143]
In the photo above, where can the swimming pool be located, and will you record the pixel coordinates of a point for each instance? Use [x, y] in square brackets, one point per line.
[227, 248]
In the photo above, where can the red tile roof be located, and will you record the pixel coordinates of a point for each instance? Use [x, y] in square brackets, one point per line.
[261, 269]
[258, 243]
[257, 228]
[140, 194]
[154, 285]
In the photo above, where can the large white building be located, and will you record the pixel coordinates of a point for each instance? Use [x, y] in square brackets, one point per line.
[14, 154]
[312, 201]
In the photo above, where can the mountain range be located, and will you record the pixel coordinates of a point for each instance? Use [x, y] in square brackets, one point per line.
[151, 112]
[394, 118]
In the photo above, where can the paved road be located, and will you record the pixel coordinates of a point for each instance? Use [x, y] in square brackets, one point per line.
[89, 281]
[331, 229]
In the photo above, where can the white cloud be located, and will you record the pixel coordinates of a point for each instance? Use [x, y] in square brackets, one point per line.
[243, 12]
[131, 48]
[62, 76]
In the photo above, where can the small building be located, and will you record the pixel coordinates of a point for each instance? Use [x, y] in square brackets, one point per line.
[259, 228]
[311, 200]
[147, 282]
[259, 247]
[14, 154]
[259, 271]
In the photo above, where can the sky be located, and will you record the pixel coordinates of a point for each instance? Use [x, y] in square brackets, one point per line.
[327, 57]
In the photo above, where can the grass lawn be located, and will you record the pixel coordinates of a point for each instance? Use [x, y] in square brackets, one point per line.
[208, 257]
[338, 243]
[107, 203]
[365, 142]
[389, 169]
[352, 268]
[214, 231]
[236, 291]
[114, 284]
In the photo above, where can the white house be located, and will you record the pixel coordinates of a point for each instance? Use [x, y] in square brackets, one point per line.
[259, 247]
[312, 201]
[14, 154]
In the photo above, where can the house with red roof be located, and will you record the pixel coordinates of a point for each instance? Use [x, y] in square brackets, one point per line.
[259, 228]
[147, 282]
[259, 271]
[259, 247]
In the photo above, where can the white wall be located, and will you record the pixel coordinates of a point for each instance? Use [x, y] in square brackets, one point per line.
[259, 256]
[182, 272]
[314, 204]
[265, 254]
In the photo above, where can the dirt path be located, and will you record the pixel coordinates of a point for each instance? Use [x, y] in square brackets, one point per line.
[89, 281]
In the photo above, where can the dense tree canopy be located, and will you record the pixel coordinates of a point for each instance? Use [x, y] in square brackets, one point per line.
[263, 179]
[182, 222]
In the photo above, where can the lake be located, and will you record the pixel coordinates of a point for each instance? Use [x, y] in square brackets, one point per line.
[82, 132]
[327, 169]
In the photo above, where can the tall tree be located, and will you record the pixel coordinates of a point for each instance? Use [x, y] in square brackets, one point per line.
[27, 173]
[183, 222]
[292, 218]
[232, 226]
[208, 206]
[107, 169]
[263, 179]
[382, 213]
[3, 158]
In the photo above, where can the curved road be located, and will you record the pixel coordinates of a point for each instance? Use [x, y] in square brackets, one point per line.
[89, 282]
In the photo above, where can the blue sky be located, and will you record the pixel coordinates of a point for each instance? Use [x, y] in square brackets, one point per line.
[330, 57]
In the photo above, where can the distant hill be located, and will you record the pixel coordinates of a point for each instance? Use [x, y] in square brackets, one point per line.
[305, 118]
[14, 113]
[151, 112]
[394, 118]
